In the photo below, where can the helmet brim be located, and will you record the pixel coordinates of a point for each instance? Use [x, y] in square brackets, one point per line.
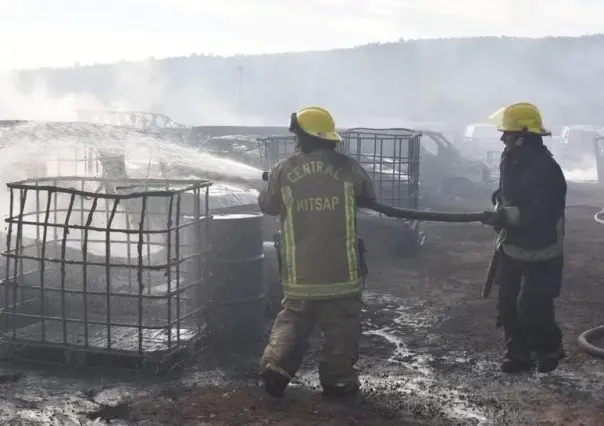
[540, 132]
[498, 120]
[295, 128]
[329, 136]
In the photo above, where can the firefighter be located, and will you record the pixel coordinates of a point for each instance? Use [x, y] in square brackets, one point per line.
[316, 192]
[529, 220]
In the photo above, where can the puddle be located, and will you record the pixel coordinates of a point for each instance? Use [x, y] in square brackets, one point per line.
[419, 380]
[404, 378]
[404, 368]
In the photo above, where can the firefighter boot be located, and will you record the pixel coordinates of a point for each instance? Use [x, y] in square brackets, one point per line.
[549, 362]
[274, 383]
[517, 357]
[513, 366]
[341, 390]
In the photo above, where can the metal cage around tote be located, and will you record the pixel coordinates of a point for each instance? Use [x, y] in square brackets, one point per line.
[112, 267]
[392, 159]
[390, 156]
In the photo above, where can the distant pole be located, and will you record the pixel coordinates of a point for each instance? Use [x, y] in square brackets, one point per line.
[240, 84]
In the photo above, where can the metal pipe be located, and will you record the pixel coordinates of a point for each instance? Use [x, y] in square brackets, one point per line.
[63, 272]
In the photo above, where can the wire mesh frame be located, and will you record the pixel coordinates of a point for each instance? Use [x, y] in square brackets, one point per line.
[156, 338]
[84, 162]
[275, 148]
[391, 158]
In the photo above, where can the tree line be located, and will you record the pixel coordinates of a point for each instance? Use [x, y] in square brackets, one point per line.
[458, 80]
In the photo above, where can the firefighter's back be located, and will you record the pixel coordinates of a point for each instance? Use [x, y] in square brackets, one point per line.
[319, 191]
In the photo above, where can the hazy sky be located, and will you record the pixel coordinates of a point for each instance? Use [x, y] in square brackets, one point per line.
[62, 32]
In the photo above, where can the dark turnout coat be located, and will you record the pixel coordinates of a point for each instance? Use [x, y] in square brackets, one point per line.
[532, 191]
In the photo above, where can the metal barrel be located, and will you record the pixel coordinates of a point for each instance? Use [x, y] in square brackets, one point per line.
[270, 224]
[236, 289]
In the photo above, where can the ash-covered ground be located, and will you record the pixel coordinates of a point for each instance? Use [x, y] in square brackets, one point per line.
[429, 356]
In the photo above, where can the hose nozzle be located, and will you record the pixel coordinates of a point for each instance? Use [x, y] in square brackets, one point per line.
[265, 176]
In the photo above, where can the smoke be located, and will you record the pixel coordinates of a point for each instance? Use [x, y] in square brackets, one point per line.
[141, 86]
[134, 87]
[38, 103]
[588, 174]
[450, 83]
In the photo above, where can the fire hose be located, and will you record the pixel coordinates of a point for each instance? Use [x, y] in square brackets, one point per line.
[411, 214]
[587, 337]
[584, 339]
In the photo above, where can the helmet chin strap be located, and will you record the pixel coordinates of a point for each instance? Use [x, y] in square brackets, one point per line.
[520, 139]
[294, 127]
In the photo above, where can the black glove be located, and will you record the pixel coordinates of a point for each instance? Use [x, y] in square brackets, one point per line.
[496, 197]
[497, 218]
[265, 176]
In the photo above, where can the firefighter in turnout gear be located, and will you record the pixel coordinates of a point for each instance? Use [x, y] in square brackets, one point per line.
[316, 192]
[529, 220]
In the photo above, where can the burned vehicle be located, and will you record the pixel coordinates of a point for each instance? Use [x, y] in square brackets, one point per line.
[447, 172]
[578, 146]
[482, 141]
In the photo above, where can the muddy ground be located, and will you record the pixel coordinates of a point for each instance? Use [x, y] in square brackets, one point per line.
[429, 356]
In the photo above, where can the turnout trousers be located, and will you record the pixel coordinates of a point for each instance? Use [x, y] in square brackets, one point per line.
[340, 323]
[526, 306]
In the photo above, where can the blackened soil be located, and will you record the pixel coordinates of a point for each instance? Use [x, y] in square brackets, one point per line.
[429, 355]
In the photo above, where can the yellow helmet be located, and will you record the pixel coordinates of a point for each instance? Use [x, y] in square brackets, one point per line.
[519, 117]
[315, 121]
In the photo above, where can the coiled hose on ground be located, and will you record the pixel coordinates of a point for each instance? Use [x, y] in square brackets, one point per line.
[595, 333]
